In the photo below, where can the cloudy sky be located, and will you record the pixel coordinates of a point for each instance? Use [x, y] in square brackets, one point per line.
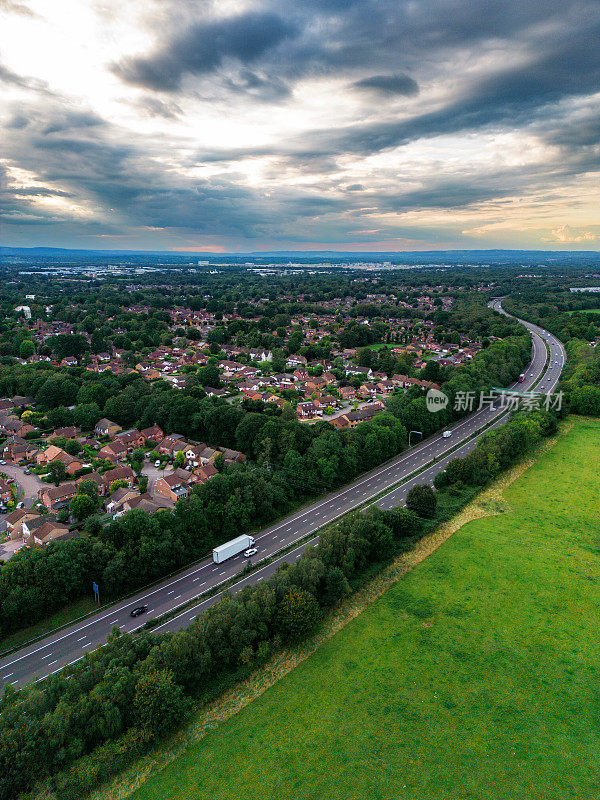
[322, 124]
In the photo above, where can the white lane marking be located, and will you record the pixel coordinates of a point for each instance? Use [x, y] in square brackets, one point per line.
[470, 422]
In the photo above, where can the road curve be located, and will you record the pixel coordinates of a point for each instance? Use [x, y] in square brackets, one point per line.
[53, 652]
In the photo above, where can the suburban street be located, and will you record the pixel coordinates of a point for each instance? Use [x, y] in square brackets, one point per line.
[426, 458]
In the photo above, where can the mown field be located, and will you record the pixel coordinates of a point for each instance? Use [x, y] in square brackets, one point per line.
[476, 676]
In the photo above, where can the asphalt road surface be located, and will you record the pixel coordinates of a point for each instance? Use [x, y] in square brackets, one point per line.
[52, 653]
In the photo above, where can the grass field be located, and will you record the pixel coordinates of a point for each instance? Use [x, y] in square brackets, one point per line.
[477, 676]
[586, 311]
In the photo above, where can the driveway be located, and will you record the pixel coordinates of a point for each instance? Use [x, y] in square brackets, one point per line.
[154, 474]
[29, 483]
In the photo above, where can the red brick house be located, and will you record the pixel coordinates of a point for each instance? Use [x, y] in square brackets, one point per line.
[120, 473]
[154, 433]
[131, 439]
[55, 497]
[174, 486]
[115, 451]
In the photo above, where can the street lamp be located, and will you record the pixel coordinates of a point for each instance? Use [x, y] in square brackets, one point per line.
[420, 433]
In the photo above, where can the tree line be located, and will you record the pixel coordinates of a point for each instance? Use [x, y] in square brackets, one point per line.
[118, 699]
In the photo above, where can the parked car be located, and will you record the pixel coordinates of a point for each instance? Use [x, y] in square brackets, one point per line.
[27, 471]
[251, 552]
[137, 611]
[20, 505]
[157, 463]
[2, 462]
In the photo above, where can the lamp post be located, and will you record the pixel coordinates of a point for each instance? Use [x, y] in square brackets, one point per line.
[420, 433]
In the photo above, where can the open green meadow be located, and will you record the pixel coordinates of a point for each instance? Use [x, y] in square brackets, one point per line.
[476, 676]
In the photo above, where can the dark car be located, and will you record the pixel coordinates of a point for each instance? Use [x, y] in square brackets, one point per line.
[137, 611]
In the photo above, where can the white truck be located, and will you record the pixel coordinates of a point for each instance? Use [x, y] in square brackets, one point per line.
[232, 548]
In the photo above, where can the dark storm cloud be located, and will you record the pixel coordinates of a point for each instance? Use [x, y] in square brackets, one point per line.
[389, 84]
[511, 98]
[387, 54]
[204, 47]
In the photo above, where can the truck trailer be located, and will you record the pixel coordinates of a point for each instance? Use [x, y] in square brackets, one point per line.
[232, 548]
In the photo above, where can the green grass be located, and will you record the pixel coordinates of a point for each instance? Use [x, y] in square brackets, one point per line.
[477, 676]
[585, 311]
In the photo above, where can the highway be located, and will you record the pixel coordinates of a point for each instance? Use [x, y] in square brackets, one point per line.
[53, 652]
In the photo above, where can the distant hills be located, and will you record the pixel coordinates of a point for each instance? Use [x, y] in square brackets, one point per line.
[11, 256]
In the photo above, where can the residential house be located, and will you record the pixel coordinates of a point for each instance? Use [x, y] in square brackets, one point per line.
[146, 502]
[55, 497]
[203, 474]
[306, 410]
[114, 451]
[115, 505]
[44, 529]
[132, 439]
[169, 442]
[362, 372]
[174, 486]
[347, 393]
[67, 433]
[104, 427]
[14, 521]
[120, 473]
[13, 426]
[154, 434]
[17, 450]
[354, 418]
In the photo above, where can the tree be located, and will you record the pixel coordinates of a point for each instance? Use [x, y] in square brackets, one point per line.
[82, 506]
[90, 488]
[159, 704]
[87, 415]
[57, 472]
[179, 459]
[120, 484]
[26, 348]
[422, 500]
[298, 614]
[143, 483]
[60, 417]
[209, 376]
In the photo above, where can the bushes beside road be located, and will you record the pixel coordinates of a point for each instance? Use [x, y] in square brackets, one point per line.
[137, 687]
[118, 699]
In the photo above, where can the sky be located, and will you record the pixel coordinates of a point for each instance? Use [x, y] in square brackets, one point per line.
[249, 125]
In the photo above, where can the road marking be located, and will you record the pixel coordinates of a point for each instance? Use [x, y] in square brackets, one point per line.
[4, 677]
[472, 423]
[82, 638]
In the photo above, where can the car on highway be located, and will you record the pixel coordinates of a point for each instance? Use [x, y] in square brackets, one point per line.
[137, 611]
[252, 551]
[447, 434]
